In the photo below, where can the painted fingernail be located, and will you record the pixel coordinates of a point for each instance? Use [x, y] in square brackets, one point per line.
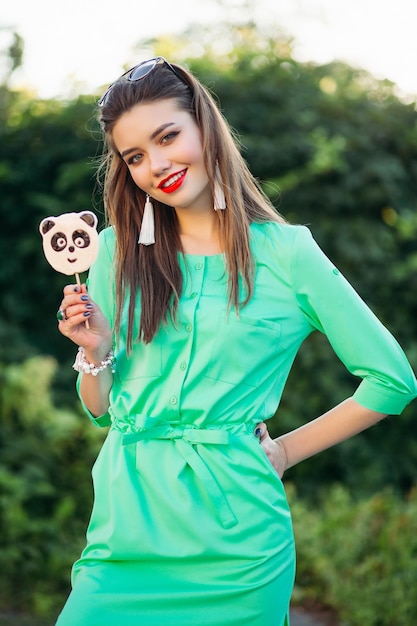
[258, 432]
[86, 313]
[89, 306]
[76, 289]
[84, 298]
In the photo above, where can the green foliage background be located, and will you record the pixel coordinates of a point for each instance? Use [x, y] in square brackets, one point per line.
[335, 149]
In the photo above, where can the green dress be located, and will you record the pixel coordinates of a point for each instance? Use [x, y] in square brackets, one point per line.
[190, 523]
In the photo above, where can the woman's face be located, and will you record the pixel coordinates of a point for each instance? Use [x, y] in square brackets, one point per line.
[161, 146]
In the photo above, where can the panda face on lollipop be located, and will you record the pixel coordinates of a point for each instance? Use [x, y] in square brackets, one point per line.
[70, 241]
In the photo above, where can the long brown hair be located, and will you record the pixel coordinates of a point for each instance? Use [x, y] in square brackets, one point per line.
[154, 270]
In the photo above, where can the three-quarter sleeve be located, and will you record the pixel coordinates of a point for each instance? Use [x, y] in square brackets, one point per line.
[361, 341]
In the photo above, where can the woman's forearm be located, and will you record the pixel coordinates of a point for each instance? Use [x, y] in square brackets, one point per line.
[340, 423]
[95, 390]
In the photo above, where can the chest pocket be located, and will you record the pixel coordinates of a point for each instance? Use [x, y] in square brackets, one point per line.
[244, 349]
[145, 360]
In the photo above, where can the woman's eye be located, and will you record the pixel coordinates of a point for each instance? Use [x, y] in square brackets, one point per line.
[169, 137]
[136, 158]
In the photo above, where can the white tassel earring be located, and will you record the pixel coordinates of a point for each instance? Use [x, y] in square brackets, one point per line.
[147, 231]
[219, 199]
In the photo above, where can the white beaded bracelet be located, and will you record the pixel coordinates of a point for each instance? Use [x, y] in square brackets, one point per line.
[82, 365]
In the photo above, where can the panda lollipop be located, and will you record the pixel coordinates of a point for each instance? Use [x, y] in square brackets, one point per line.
[70, 242]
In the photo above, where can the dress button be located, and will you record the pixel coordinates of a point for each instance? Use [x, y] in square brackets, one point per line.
[198, 266]
[335, 271]
[183, 365]
[188, 328]
[193, 295]
[173, 400]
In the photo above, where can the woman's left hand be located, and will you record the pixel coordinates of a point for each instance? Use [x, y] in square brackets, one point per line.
[273, 449]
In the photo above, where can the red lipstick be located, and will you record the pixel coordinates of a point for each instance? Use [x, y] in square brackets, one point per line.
[173, 182]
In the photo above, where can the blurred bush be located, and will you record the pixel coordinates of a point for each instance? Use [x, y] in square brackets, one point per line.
[46, 455]
[358, 556]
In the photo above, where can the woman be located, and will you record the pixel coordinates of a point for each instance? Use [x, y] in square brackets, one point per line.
[197, 305]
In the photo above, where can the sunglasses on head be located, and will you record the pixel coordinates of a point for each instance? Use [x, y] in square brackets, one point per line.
[138, 72]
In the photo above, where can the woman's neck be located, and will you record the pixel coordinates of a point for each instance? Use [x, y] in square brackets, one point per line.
[199, 232]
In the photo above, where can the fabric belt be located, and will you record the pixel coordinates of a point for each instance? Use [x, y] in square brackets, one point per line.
[185, 439]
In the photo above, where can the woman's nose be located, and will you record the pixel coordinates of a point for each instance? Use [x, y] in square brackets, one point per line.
[159, 165]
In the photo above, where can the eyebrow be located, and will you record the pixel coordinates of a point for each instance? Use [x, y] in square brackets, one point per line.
[155, 133]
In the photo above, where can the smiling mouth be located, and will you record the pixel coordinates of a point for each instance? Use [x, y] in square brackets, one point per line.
[71, 260]
[172, 183]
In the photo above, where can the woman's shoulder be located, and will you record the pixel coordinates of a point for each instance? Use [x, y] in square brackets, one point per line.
[276, 235]
[107, 240]
[108, 235]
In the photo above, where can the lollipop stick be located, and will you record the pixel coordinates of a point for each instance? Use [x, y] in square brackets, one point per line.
[77, 278]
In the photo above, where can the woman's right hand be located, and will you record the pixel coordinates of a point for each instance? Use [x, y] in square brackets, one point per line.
[77, 307]
[273, 448]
